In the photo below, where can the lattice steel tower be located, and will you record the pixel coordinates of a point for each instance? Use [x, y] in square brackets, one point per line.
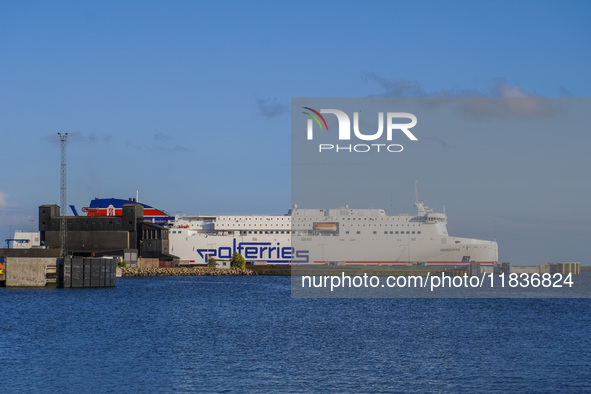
[63, 195]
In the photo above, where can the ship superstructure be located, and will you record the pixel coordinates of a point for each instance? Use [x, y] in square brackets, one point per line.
[114, 207]
[343, 236]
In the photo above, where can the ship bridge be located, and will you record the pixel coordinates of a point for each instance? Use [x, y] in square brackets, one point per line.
[426, 214]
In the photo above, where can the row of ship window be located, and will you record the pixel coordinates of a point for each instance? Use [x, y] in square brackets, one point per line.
[253, 232]
[302, 219]
[288, 231]
[391, 232]
[370, 219]
[267, 225]
[258, 218]
[264, 232]
[385, 225]
[305, 219]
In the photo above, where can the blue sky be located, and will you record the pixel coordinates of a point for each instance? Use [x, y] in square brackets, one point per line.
[188, 102]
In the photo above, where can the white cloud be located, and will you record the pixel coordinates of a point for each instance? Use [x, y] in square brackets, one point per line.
[502, 99]
[504, 89]
[3, 200]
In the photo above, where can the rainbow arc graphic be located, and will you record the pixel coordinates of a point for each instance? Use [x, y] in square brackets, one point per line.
[316, 117]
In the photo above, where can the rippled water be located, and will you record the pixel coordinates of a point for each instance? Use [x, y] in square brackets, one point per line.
[248, 334]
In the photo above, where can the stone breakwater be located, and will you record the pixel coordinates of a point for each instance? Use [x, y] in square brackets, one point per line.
[184, 271]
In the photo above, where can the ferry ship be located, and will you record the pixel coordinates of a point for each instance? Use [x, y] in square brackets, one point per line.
[333, 236]
[114, 207]
[302, 236]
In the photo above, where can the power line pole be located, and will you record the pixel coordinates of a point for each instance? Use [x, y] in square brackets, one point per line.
[63, 195]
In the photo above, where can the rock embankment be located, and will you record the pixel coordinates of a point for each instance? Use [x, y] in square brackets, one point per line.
[184, 271]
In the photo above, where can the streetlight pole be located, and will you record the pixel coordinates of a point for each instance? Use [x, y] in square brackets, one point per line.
[63, 197]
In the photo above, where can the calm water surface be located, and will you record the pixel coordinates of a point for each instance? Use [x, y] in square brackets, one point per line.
[247, 334]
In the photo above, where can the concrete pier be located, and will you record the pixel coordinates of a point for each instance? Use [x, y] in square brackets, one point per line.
[30, 271]
[549, 268]
[51, 271]
[87, 272]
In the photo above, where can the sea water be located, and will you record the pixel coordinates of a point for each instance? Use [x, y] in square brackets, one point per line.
[246, 333]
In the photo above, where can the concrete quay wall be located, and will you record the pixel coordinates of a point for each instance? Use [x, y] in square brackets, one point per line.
[28, 271]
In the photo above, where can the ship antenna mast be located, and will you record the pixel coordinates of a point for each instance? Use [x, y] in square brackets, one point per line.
[63, 196]
[495, 222]
[416, 191]
[391, 205]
